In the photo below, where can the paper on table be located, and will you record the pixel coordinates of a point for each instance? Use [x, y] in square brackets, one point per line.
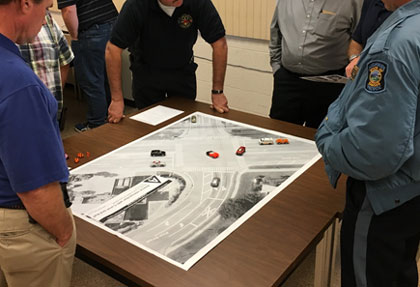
[127, 198]
[156, 115]
[338, 79]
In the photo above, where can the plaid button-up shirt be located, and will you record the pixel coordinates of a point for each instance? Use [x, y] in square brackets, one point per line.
[46, 54]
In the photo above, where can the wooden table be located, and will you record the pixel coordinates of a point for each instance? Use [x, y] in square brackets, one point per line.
[261, 252]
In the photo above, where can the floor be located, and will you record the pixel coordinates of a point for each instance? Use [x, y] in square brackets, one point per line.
[85, 275]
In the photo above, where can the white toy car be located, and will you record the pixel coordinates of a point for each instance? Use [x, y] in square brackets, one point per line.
[157, 163]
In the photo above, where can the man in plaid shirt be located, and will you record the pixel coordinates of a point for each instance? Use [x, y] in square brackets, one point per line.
[49, 56]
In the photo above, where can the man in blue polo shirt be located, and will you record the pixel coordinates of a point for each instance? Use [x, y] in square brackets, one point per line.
[37, 237]
[373, 15]
[161, 35]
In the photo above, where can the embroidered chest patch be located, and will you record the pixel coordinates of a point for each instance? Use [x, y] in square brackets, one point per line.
[185, 21]
[375, 82]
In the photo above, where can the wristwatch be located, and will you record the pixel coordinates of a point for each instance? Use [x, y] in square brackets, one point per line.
[354, 56]
[217, 92]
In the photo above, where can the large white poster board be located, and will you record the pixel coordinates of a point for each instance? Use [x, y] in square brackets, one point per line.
[181, 202]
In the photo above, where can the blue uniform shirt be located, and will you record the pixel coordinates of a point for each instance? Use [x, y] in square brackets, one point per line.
[31, 150]
[372, 131]
[161, 41]
[373, 15]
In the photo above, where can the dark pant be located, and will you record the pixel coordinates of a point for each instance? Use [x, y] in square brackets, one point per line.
[152, 85]
[301, 101]
[89, 66]
[378, 250]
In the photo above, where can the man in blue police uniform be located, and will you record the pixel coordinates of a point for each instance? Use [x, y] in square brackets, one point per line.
[161, 35]
[372, 134]
[37, 237]
[373, 15]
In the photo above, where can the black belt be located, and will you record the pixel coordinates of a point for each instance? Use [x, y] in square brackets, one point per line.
[330, 72]
[15, 206]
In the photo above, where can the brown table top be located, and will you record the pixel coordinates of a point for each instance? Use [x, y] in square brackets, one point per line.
[263, 251]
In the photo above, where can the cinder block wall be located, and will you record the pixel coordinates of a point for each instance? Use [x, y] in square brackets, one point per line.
[249, 80]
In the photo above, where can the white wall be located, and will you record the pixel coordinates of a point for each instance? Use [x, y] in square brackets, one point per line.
[249, 81]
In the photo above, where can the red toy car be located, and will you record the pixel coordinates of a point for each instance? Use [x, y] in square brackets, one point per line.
[240, 150]
[212, 154]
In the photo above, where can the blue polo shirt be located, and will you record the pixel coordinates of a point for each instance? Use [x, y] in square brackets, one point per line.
[373, 15]
[31, 150]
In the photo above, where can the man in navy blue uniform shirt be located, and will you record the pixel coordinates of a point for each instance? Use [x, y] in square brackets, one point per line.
[161, 35]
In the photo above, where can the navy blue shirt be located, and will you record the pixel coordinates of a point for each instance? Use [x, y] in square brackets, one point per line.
[373, 15]
[162, 41]
[31, 151]
[91, 12]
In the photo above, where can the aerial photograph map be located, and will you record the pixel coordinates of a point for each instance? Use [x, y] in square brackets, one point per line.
[181, 190]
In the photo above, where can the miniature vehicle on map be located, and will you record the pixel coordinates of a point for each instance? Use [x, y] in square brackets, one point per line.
[215, 182]
[157, 163]
[193, 119]
[212, 154]
[157, 152]
[282, 141]
[257, 182]
[266, 141]
[240, 150]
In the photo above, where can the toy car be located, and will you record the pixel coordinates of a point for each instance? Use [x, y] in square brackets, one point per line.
[212, 154]
[240, 150]
[215, 182]
[157, 163]
[257, 182]
[266, 141]
[282, 141]
[157, 152]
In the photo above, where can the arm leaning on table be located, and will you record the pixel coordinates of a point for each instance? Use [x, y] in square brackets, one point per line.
[113, 67]
[219, 101]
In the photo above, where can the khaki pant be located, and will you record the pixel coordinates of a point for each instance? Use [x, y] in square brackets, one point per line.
[30, 256]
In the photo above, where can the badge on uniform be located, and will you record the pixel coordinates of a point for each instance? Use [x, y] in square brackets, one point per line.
[185, 21]
[376, 77]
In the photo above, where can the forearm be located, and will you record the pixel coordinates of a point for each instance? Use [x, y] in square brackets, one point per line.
[354, 48]
[64, 71]
[69, 14]
[220, 50]
[113, 67]
[46, 206]
[275, 43]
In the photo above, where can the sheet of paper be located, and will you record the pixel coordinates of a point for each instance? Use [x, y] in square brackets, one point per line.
[127, 198]
[338, 79]
[156, 115]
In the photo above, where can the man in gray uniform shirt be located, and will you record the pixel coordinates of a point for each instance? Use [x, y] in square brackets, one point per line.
[309, 38]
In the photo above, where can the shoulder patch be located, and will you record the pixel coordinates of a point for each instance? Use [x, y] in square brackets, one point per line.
[375, 82]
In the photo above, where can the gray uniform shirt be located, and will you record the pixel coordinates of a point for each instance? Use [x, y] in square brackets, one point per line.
[311, 37]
